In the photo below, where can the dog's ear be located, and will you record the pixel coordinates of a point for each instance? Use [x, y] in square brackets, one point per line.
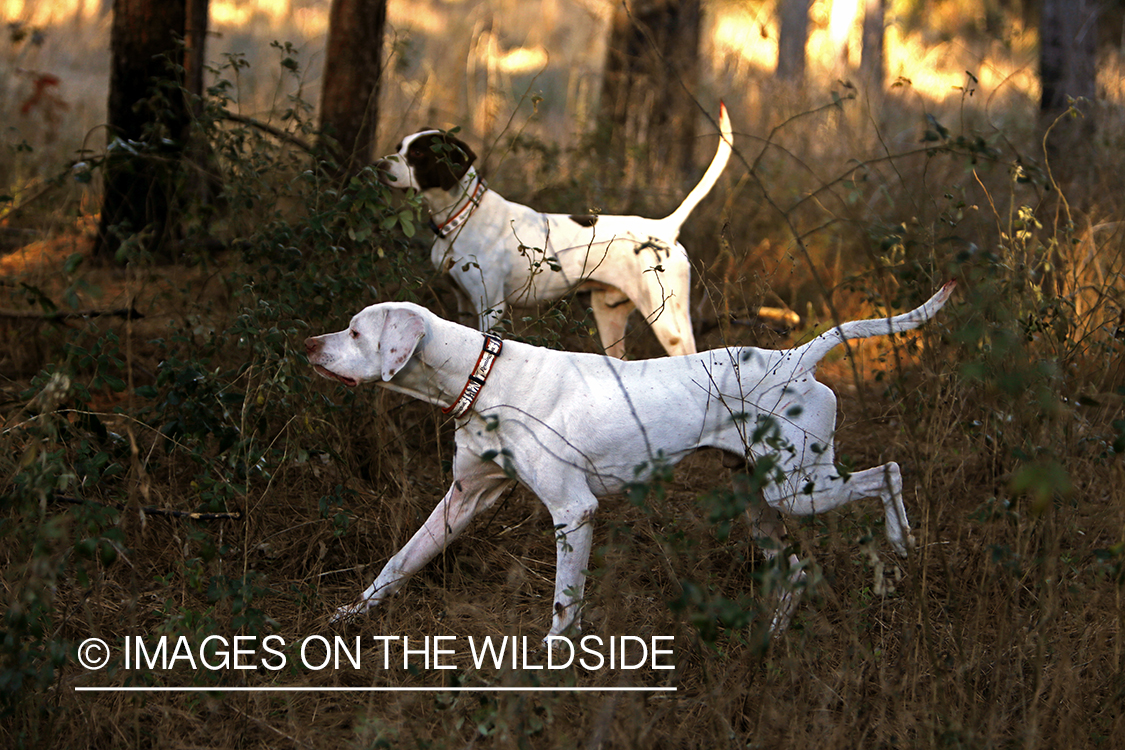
[402, 330]
[439, 160]
[458, 158]
[469, 155]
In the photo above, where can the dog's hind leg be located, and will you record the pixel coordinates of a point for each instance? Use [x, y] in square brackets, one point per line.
[824, 488]
[671, 324]
[766, 524]
[663, 300]
[768, 530]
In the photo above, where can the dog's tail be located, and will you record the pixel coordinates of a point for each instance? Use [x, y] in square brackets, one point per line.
[710, 177]
[815, 350]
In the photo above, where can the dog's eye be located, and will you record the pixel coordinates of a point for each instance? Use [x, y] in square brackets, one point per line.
[354, 333]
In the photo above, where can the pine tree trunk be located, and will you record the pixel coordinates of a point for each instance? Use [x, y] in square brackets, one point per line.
[1067, 52]
[792, 37]
[1068, 70]
[872, 62]
[147, 125]
[195, 44]
[652, 66]
[353, 66]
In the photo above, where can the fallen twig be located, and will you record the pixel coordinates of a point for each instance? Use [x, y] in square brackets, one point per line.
[153, 511]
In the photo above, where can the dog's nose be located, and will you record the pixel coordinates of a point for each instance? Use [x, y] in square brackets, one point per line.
[383, 171]
[312, 346]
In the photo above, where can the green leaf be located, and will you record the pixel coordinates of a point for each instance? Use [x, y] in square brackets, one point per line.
[407, 221]
[1042, 481]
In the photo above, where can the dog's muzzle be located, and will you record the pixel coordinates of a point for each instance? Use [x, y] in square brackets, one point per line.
[383, 172]
[313, 348]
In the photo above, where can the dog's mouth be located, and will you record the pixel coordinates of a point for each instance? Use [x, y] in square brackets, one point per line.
[324, 372]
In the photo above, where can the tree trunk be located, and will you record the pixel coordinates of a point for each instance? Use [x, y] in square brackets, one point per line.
[1068, 70]
[195, 44]
[147, 124]
[792, 37]
[203, 182]
[651, 71]
[1067, 52]
[353, 66]
[872, 62]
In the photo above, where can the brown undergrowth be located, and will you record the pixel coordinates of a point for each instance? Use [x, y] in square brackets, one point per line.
[1004, 627]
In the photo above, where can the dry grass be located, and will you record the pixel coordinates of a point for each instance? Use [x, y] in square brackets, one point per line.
[1003, 629]
[1000, 630]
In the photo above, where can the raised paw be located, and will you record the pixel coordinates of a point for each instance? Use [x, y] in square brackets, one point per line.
[902, 542]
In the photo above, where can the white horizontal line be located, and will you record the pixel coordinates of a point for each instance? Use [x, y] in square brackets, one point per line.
[308, 689]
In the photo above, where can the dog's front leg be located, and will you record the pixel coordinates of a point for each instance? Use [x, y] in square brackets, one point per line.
[466, 310]
[483, 294]
[490, 316]
[574, 534]
[467, 496]
[611, 313]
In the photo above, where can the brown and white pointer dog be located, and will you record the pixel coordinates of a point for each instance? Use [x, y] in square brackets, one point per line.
[501, 253]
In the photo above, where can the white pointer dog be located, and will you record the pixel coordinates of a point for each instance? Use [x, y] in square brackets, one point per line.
[500, 253]
[574, 427]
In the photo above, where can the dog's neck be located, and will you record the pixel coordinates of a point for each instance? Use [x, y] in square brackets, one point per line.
[442, 363]
[447, 205]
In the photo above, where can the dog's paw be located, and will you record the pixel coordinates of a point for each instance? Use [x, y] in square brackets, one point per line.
[902, 543]
[349, 613]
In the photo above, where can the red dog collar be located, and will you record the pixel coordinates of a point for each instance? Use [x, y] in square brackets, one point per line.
[462, 215]
[488, 354]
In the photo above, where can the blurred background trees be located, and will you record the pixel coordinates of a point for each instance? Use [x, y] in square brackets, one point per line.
[641, 74]
[793, 35]
[1068, 49]
[650, 80]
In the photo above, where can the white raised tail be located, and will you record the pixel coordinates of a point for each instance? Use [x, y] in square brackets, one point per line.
[812, 352]
[710, 177]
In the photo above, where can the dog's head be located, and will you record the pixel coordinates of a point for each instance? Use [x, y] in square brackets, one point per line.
[377, 344]
[426, 160]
